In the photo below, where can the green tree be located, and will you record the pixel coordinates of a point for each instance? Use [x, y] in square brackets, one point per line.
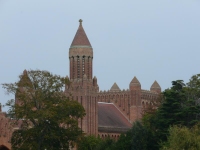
[141, 137]
[49, 120]
[124, 141]
[183, 138]
[106, 144]
[180, 106]
[192, 91]
[88, 143]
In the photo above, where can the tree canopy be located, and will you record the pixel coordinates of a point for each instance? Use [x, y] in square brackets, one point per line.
[48, 119]
[183, 138]
[180, 106]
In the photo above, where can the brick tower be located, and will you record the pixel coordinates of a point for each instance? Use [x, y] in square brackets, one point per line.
[83, 87]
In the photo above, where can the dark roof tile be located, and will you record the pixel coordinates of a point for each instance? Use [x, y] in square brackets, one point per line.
[80, 37]
[110, 116]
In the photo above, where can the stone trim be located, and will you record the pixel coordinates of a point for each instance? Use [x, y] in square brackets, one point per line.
[80, 46]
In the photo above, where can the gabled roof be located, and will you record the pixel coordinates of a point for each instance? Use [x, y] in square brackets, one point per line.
[115, 88]
[135, 82]
[110, 116]
[155, 85]
[80, 38]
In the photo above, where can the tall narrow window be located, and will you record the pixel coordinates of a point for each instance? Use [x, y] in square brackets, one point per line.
[78, 67]
[88, 66]
[83, 63]
[73, 68]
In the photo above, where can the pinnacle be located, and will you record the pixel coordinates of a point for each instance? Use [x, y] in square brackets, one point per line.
[24, 79]
[115, 87]
[80, 38]
[135, 82]
[155, 85]
[25, 72]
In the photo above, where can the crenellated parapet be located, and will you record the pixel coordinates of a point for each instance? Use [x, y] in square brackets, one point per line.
[148, 98]
[121, 99]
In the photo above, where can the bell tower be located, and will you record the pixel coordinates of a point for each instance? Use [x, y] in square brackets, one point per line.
[80, 55]
[83, 87]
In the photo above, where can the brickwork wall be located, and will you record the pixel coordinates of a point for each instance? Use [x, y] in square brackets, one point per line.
[120, 99]
[131, 107]
[5, 130]
[105, 135]
[84, 91]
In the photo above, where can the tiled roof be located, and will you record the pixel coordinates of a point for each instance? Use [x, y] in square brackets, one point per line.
[115, 88]
[155, 85]
[80, 38]
[110, 116]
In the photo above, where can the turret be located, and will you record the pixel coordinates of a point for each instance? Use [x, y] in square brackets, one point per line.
[135, 84]
[135, 100]
[23, 84]
[24, 80]
[94, 81]
[155, 87]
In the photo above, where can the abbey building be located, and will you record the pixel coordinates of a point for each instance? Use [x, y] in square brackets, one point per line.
[111, 112]
[108, 113]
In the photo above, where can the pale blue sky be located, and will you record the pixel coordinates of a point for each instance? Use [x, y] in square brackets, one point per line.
[150, 39]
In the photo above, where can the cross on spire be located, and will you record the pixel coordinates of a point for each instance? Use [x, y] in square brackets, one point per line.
[80, 20]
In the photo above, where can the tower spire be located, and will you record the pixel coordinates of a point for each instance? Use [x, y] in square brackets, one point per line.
[80, 38]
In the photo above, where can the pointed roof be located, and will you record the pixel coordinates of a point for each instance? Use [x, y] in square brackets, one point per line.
[155, 85]
[115, 88]
[24, 80]
[135, 82]
[80, 38]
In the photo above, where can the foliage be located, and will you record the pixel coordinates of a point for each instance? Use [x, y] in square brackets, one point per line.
[124, 141]
[48, 119]
[180, 106]
[106, 144]
[96, 143]
[141, 137]
[183, 138]
[88, 143]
